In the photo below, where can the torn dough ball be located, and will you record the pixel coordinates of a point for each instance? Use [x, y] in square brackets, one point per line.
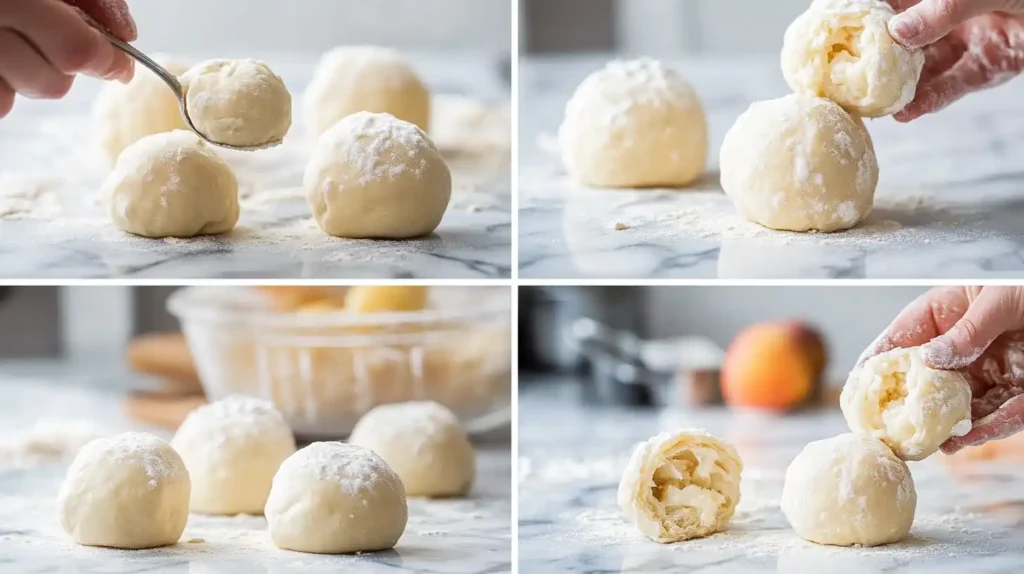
[127, 491]
[842, 50]
[897, 399]
[848, 490]
[800, 163]
[172, 185]
[238, 102]
[634, 123]
[681, 485]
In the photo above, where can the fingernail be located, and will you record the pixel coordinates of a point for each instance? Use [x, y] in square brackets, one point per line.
[906, 28]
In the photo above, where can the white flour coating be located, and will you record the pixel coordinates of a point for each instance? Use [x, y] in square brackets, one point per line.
[352, 468]
[379, 147]
[241, 415]
[137, 448]
[26, 197]
[47, 439]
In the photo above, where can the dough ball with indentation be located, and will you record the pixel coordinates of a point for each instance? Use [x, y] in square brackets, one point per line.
[126, 491]
[842, 50]
[233, 448]
[354, 79]
[681, 485]
[336, 498]
[634, 123]
[238, 102]
[172, 185]
[899, 400]
[848, 490]
[375, 176]
[424, 443]
[800, 163]
[125, 113]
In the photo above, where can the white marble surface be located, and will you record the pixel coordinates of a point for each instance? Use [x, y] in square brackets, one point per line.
[571, 458]
[950, 201]
[49, 162]
[471, 535]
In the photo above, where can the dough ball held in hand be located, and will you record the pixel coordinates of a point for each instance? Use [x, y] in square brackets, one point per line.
[842, 50]
[238, 102]
[126, 113]
[336, 498]
[172, 185]
[375, 176]
[634, 124]
[233, 448]
[128, 491]
[912, 408]
[848, 490]
[424, 443]
[800, 163]
[681, 485]
[354, 79]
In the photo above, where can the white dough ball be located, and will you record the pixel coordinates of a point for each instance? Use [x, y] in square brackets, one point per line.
[634, 123]
[126, 113]
[232, 449]
[238, 102]
[842, 50]
[681, 485]
[424, 443]
[912, 408]
[375, 176]
[126, 491]
[354, 79]
[800, 163]
[848, 490]
[336, 498]
[172, 185]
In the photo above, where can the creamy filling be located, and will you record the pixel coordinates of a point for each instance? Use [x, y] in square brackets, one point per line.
[689, 486]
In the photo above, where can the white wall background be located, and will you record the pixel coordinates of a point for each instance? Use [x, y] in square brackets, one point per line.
[198, 26]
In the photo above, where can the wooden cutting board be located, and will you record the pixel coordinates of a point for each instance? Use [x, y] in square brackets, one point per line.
[167, 357]
[161, 409]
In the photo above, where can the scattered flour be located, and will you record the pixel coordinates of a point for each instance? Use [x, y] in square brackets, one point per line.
[48, 439]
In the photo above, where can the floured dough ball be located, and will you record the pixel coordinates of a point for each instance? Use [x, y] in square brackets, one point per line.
[127, 491]
[681, 485]
[336, 498]
[800, 163]
[897, 399]
[424, 443]
[842, 50]
[386, 298]
[238, 102]
[376, 176]
[172, 185]
[848, 490]
[354, 79]
[126, 113]
[232, 449]
[635, 123]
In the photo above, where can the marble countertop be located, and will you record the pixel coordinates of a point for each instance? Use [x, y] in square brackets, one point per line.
[53, 224]
[571, 458]
[950, 200]
[471, 535]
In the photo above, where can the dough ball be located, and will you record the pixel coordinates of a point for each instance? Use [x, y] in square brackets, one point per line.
[172, 185]
[848, 490]
[365, 79]
[634, 124]
[373, 175]
[238, 102]
[424, 443]
[127, 491]
[897, 399]
[681, 485]
[232, 449]
[842, 50]
[386, 299]
[336, 498]
[800, 163]
[126, 113]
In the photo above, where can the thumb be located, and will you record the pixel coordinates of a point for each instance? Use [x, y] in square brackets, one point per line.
[932, 20]
[1005, 421]
[995, 311]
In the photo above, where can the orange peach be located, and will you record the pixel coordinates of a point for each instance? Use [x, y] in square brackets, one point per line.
[772, 366]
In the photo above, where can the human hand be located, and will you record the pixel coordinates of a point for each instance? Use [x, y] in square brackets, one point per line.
[969, 46]
[45, 43]
[978, 331]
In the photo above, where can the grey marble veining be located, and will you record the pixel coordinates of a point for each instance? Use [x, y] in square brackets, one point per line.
[47, 149]
[571, 458]
[950, 201]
